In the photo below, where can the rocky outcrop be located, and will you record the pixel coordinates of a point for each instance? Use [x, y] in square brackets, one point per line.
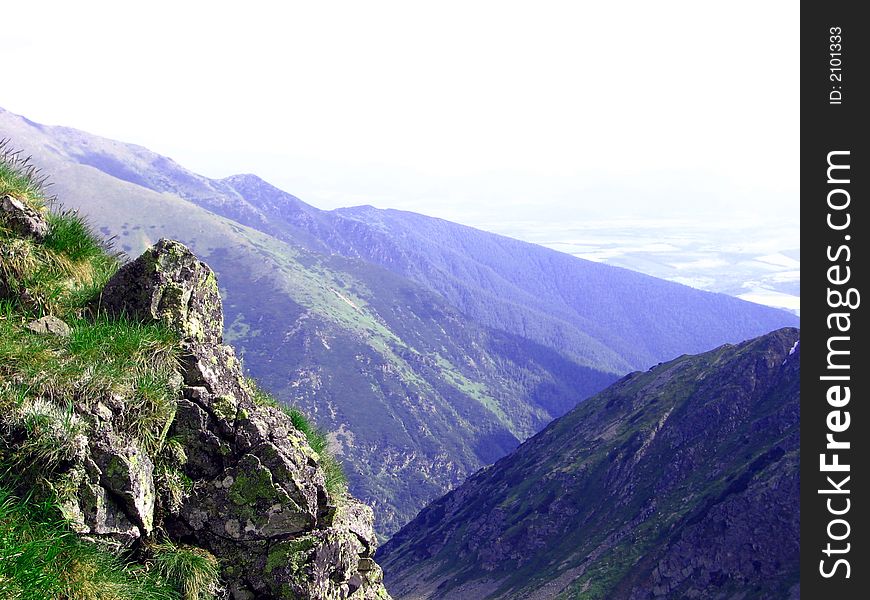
[256, 496]
[259, 501]
[109, 493]
[170, 285]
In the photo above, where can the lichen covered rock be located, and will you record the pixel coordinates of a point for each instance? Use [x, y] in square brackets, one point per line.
[128, 474]
[93, 511]
[260, 503]
[168, 284]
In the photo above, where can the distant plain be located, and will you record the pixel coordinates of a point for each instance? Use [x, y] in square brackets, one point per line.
[754, 260]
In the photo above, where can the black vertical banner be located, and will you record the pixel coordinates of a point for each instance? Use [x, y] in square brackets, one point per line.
[835, 222]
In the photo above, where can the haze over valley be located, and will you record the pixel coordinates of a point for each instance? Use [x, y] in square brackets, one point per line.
[752, 260]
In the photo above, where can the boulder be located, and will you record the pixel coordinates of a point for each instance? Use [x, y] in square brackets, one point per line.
[170, 285]
[128, 473]
[49, 325]
[23, 220]
[93, 511]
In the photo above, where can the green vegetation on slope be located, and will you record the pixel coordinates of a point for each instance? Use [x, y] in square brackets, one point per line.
[414, 395]
[101, 355]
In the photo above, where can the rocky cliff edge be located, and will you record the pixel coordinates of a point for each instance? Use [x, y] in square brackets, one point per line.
[242, 483]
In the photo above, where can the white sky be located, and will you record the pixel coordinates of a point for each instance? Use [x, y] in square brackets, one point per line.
[467, 110]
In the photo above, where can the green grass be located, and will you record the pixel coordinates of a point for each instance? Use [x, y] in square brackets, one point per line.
[60, 276]
[53, 434]
[192, 571]
[69, 234]
[64, 272]
[20, 178]
[336, 479]
[41, 558]
[106, 357]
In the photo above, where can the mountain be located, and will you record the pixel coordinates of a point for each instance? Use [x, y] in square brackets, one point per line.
[425, 348]
[678, 482]
[595, 313]
[415, 394]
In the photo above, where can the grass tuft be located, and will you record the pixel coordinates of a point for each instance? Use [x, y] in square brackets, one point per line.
[54, 434]
[59, 276]
[70, 235]
[20, 178]
[64, 272]
[101, 360]
[192, 571]
[336, 480]
[40, 557]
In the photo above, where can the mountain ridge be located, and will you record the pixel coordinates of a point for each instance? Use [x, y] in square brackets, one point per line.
[258, 204]
[681, 481]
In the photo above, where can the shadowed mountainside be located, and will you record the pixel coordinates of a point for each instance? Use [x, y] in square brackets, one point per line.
[680, 482]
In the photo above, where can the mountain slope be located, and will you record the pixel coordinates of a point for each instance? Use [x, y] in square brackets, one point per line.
[599, 315]
[603, 317]
[678, 482]
[427, 349]
[414, 394]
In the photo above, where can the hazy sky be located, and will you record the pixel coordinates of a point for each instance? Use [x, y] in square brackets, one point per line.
[468, 110]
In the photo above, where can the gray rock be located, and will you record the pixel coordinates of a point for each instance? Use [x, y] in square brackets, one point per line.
[168, 284]
[244, 502]
[359, 519]
[91, 510]
[261, 505]
[127, 472]
[22, 219]
[49, 325]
